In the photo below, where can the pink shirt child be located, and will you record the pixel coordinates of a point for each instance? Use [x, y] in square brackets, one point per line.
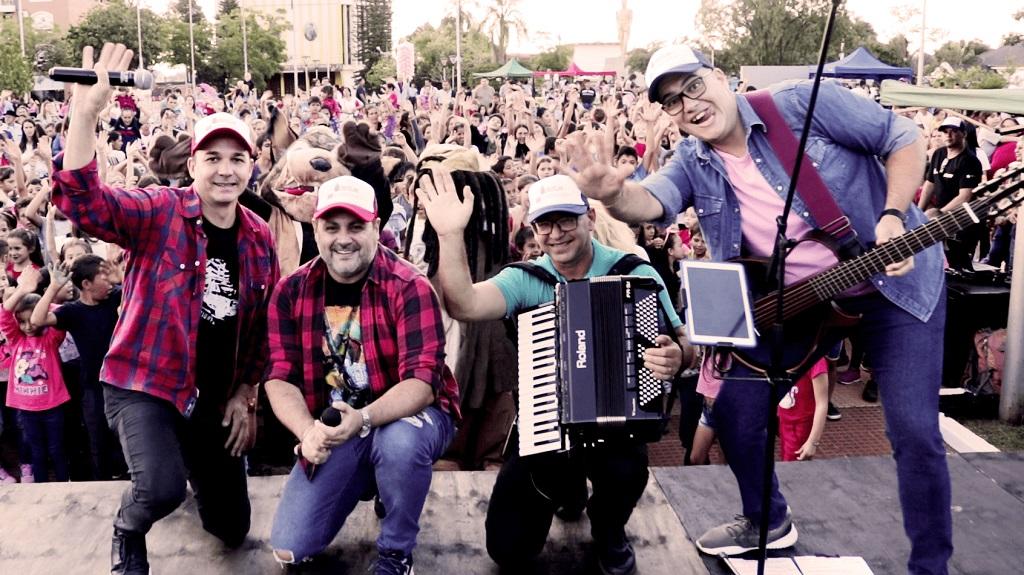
[35, 382]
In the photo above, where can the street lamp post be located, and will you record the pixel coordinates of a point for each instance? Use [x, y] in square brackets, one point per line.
[295, 49]
[920, 52]
[192, 46]
[458, 47]
[138, 30]
[245, 38]
[21, 24]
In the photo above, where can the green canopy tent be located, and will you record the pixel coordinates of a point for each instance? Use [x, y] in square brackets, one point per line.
[511, 69]
[894, 93]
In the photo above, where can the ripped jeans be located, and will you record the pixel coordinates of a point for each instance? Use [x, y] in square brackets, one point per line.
[398, 455]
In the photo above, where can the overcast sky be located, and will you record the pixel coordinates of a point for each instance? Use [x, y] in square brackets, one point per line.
[574, 21]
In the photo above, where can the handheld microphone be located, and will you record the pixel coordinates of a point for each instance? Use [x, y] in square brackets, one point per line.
[141, 79]
[331, 417]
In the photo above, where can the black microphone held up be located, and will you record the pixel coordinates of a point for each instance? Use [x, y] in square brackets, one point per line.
[141, 79]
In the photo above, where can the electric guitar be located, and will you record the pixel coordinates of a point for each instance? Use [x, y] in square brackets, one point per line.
[812, 320]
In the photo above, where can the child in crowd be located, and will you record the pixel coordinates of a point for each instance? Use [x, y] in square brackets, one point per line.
[526, 245]
[802, 414]
[22, 253]
[36, 387]
[90, 320]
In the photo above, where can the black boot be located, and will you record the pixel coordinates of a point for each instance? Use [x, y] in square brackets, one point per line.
[128, 553]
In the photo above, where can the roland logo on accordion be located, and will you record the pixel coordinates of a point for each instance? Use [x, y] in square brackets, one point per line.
[581, 349]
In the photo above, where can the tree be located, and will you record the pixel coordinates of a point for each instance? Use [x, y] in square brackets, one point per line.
[637, 58]
[263, 31]
[226, 7]
[501, 19]
[15, 71]
[557, 58]
[1013, 38]
[180, 9]
[961, 54]
[434, 46]
[972, 77]
[44, 48]
[178, 49]
[373, 32]
[114, 21]
[895, 52]
[763, 32]
[382, 70]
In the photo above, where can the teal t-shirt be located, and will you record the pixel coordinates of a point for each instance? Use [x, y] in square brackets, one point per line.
[524, 291]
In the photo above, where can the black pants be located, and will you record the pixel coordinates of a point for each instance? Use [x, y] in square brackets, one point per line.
[106, 460]
[163, 451]
[529, 490]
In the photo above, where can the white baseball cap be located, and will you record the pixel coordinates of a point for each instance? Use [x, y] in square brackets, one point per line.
[219, 124]
[556, 194]
[952, 122]
[347, 193]
[676, 59]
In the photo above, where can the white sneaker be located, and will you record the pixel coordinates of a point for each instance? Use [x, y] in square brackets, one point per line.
[6, 477]
[26, 474]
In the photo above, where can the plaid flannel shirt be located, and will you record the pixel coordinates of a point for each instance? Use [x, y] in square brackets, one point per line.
[154, 342]
[400, 320]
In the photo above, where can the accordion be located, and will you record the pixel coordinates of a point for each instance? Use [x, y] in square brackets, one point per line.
[582, 378]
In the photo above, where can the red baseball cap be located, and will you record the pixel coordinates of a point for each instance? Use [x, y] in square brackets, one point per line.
[222, 123]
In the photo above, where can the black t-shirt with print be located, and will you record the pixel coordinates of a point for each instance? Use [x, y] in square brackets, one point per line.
[218, 320]
[953, 174]
[341, 349]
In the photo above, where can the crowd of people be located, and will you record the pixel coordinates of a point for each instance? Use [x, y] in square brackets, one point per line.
[192, 274]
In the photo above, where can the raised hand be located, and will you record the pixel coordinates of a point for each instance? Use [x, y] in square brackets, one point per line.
[113, 58]
[650, 112]
[446, 212]
[60, 273]
[596, 180]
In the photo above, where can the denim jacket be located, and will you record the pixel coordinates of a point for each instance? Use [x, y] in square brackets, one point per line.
[850, 138]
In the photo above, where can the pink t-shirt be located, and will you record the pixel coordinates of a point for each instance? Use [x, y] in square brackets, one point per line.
[35, 382]
[759, 206]
[798, 404]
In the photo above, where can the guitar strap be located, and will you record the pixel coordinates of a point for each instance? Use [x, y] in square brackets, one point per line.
[811, 188]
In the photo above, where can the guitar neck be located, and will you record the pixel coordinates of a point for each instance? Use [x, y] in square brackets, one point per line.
[820, 288]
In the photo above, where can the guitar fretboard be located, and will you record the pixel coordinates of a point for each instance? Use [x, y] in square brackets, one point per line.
[845, 275]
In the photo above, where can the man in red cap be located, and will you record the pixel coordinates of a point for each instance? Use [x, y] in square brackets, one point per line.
[181, 378]
[357, 329]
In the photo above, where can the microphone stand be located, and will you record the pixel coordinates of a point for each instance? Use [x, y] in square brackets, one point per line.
[777, 376]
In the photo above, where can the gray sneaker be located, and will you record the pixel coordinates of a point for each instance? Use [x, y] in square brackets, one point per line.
[740, 536]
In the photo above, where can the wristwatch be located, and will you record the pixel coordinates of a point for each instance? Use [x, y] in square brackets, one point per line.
[367, 425]
[893, 212]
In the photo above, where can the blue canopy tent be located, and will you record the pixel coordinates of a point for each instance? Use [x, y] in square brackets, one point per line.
[862, 64]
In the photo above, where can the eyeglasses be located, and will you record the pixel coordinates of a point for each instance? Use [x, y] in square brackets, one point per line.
[565, 225]
[693, 89]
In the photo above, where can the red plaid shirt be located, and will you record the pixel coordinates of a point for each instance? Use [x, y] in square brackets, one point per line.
[153, 347]
[400, 319]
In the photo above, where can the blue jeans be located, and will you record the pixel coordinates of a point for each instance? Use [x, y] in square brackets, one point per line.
[43, 431]
[906, 362]
[397, 455]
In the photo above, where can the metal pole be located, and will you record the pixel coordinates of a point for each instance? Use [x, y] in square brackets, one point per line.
[920, 52]
[1011, 400]
[192, 46]
[21, 25]
[295, 50]
[138, 30]
[458, 47]
[245, 38]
